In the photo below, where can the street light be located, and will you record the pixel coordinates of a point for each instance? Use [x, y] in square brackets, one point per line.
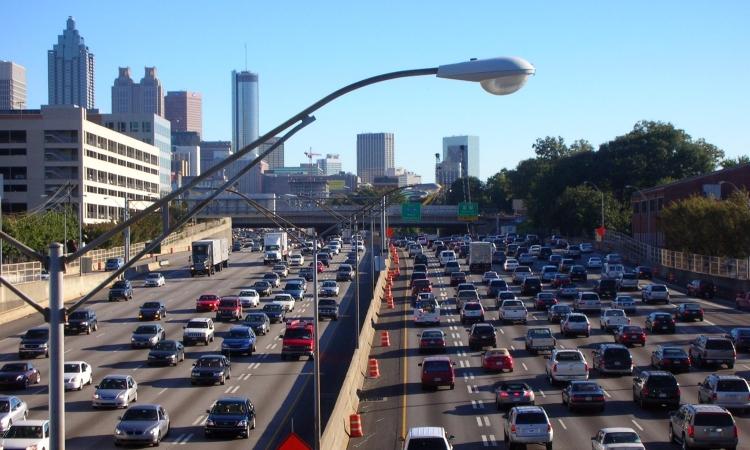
[648, 217]
[600, 191]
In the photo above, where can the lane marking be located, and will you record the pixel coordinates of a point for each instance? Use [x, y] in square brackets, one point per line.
[493, 440]
[198, 421]
[479, 421]
[562, 424]
[607, 394]
[524, 366]
[501, 331]
[468, 388]
[484, 441]
[273, 346]
[486, 421]
[161, 391]
[636, 424]
[542, 393]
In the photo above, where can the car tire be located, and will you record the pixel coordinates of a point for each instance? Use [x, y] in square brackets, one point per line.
[684, 443]
[222, 380]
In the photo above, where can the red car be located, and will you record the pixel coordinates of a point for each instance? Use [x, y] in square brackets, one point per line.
[544, 301]
[432, 340]
[207, 302]
[561, 279]
[420, 286]
[497, 359]
[630, 334]
[438, 371]
[321, 267]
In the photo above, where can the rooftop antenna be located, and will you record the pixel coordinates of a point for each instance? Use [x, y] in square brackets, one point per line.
[245, 56]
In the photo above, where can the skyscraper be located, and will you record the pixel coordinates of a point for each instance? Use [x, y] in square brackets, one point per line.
[70, 70]
[185, 110]
[374, 155]
[12, 85]
[460, 159]
[330, 165]
[244, 109]
[276, 158]
[146, 97]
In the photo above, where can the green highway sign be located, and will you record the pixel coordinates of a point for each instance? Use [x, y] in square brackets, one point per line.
[411, 212]
[468, 211]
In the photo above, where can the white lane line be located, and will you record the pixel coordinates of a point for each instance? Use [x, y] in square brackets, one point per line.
[161, 391]
[455, 343]
[501, 331]
[468, 388]
[136, 368]
[466, 377]
[607, 394]
[235, 389]
[524, 366]
[542, 393]
[475, 389]
[480, 404]
[562, 424]
[709, 322]
[746, 366]
[197, 421]
[256, 365]
[493, 441]
[636, 424]
[186, 439]
[471, 376]
[273, 346]
[486, 421]
[268, 346]
[66, 351]
[461, 343]
[461, 363]
[474, 404]
[484, 441]
[479, 421]
[512, 348]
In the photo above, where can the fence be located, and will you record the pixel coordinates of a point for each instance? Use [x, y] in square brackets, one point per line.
[733, 268]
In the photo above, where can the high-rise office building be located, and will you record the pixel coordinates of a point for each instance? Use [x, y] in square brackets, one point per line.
[12, 85]
[374, 155]
[185, 110]
[330, 165]
[212, 152]
[276, 158]
[245, 127]
[70, 70]
[460, 159]
[146, 97]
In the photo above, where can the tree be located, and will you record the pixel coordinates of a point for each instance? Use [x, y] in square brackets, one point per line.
[578, 211]
[456, 193]
[550, 148]
[730, 163]
[497, 192]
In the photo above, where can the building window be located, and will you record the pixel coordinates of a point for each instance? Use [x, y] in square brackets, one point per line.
[12, 151]
[13, 173]
[61, 154]
[59, 172]
[12, 136]
[146, 127]
[60, 136]
[91, 139]
[134, 127]
[15, 188]
[121, 127]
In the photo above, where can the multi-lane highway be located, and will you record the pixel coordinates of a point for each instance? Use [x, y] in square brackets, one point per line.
[279, 389]
[395, 402]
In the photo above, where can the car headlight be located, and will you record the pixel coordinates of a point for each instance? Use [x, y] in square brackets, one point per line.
[19, 377]
[96, 395]
[218, 374]
[132, 339]
[242, 423]
[121, 396]
[152, 339]
[118, 431]
[85, 324]
[154, 431]
[210, 422]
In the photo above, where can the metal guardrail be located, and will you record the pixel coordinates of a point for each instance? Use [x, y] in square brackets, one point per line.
[733, 268]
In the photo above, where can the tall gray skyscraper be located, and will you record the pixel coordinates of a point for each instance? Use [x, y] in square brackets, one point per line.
[244, 109]
[184, 110]
[146, 97]
[460, 159]
[374, 155]
[12, 85]
[70, 69]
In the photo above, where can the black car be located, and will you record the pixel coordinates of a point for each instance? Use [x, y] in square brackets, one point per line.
[531, 286]
[211, 369]
[328, 307]
[482, 335]
[82, 321]
[578, 273]
[656, 387]
[671, 358]
[420, 267]
[275, 312]
[152, 311]
[612, 359]
[307, 273]
[495, 286]
[230, 416]
[583, 395]
[688, 311]
[325, 258]
[35, 342]
[263, 288]
[122, 289]
[701, 288]
[18, 375]
[606, 287]
[660, 322]
[168, 352]
[544, 253]
[420, 258]
[498, 257]
[259, 322]
[644, 272]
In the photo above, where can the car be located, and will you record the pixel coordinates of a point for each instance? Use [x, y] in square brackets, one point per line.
[198, 329]
[281, 270]
[625, 303]
[612, 359]
[345, 272]
[152, 311]
[234, 416]
[445, 256]
[420, 258]
[495, 286]
[498, 257]
[329, 288]
[544, 300]
[630, 335]
[703, 426]
[615, 438]
[510, 264]
[296, 287]
[655, 293]
[565, 365]
[324, 260]
[613, 258]
[556, 313]
[701, 288]
[426, 311]
[284, 300]
[207, 302]
[437, 371]
[114, 263]
[539, 339]
[660, 322]
[587, 301]
[116, 391]
[594, 263]
[276, 312]
[432, 340]
[19, 375]
[671, 358]
[497, 359]
[513, 311]
[565, 265]
[740, 337]
[567, 290]
[656, 387]
[416, 276]
[472, 311]
[147, 335]
[450, 267]
[520, 273]
[555, 259]
[729, 391]
[12, 409]
[612, 270]
[239, 340]
[328, 307]
[481, 335]
[612, 318]
[249, 298]
[527, 425]
[76, 375]
[643, 272]
[513, 393]
[688, 311]
[547, 274]
[585, 247]
[154, 279]
[121, 289]
[575, 324]
[168, 351]
[583, 395]
[211, 369]
[258, 321]
[531, 286]
[82, 321]
[142, 424]
[457, 278]
[27, 434]
[705, 350]
[296, 259]
[273, 278]
[526, 258]
[307, 273]
[420, 438]
[419, 286]
[606, 287]
[578, 273]
[466, 287]
[560, 279]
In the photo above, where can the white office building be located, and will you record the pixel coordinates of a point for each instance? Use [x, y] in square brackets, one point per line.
[12, 85]
[375, 155]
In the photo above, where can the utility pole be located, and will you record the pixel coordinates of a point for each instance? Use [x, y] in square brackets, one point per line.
[316, 351]
[56, 321]
[356, 285]
[126, 232]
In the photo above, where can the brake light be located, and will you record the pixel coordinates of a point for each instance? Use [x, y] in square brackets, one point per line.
[587, 366]
[549, 428]
[713, 396]
[645, 391]
[691, 431]
[513, 428]
[554, 368]
[628, 321]
[678, 391]
[504, 394]
[736, 431]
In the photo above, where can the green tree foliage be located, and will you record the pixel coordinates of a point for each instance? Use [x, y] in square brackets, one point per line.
[39, 230]
[456, 193]
[730, 163]
[578, 211]
[497, 193]
[707, 226]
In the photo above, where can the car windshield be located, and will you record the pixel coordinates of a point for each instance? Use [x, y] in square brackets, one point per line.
[719, 344]
[713, 420]
[733, 385]
[72, 368]
[270, 276]
[632, 329]
[528, 418]
[37, 334]
[133, 414]
[576, 318]
[329, 284]
[584, 387]
[227, 303]
[662, 316]
[113, 383]
[513, 387]
[197, 324]
[436, 366]
[432, 335]
[151, 305]
[617, 353]
[545, 296]
[229, 408]
[166, 345]
[250, 293]
[208, 297]
[208, 362]
[622, 437]
[120, 285]
[298, 333]
[479, 329]
[326, 302]
[658, 288]
[523, 269]
[693, 306]
[427, 443]
[498, 282]
[272, 307]
[512, 303]
[540, 332]
[662, 381]
[624, 300]
[78, 315]
[561, 309]
[616, 313]
[569, 356]
[743, 332]
[24, 432]
[145, 329]
[153, 276]
[261, 284]
[282, 298]
[674, 353]
[239, 333]
[472, 307]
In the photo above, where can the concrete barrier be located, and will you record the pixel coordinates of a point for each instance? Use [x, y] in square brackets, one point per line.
[336, 433]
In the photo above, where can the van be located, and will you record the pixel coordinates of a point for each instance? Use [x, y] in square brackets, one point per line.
[445, 256]
[705, 426]
[437, 371]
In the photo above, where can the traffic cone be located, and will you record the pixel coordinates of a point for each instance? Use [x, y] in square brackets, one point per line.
[373, 369]
[385, 339]
[355, 426]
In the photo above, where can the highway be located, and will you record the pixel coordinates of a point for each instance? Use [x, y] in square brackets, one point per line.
[278, 389]
[395, 401]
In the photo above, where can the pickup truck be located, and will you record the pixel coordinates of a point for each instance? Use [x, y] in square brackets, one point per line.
[742, 300]
[539, 339]
[513, 311]
[566, 365]
[427, 312]
[612, 318]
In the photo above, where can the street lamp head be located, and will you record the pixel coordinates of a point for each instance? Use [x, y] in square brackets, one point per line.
[499, 76]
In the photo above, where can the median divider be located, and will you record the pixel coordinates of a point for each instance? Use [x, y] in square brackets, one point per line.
[339, 428]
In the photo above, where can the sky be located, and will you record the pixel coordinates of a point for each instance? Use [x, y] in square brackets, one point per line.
[600, 67]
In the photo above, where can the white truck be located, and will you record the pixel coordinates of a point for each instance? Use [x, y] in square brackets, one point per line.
[539, 340]
[275, 247]
[209, 256]
[513, 311]
[566, 365]
[427, 312]
[612, 318]
[480, 257]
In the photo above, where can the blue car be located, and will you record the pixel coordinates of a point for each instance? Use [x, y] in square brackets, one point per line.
[230, 416]
[241, 339]
[296, 290]
[114, 263]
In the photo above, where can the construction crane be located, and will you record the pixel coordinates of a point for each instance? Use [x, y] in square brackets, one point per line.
[310, 155]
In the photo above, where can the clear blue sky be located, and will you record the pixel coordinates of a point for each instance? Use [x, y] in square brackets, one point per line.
[601, 66]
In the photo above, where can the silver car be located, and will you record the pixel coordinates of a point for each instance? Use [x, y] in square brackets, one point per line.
[12, 409]
[142, 424]
[528, 425]
[115, 391]
[730, 391]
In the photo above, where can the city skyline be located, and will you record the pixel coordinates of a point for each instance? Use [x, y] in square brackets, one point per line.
[568, 98]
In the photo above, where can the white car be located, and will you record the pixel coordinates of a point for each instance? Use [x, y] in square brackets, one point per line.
[520, 273]
[445, 256]
[594, 263]
[427, 312]
[586, 247]
[625, 303]
[154, 279]
[566, 365]
[249, 298]
[360, 246]
[655, 293]
[12, 409]
[510, 264]
[329, 288]
[428, 437]
[285, 300]
[612, 318]
[27, 434]
[616, 438]
[296, 260]
[77, 374]
[488, 276]
[513, 311]
[535, 249]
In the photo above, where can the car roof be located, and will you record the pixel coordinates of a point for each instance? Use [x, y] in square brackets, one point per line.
[199, 319]
[617, 430]
[116, 376]
[145, 406]
[30, 423]
[75, 362]
[426, 432]
[726, 377]
[529, 409]
[232, 399]
[437, 358]
[239, 327]
[707, 408]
